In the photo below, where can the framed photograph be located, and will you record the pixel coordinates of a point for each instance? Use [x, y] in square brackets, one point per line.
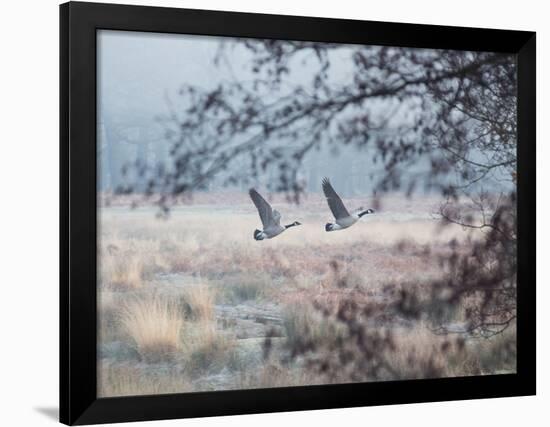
[268, 213]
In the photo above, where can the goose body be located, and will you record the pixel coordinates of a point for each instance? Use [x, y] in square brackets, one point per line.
[271, 218]
[343, 219]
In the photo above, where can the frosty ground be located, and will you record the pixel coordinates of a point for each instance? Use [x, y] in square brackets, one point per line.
[186, 303]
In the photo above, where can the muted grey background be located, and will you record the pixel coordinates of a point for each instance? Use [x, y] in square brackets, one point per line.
[139, 77]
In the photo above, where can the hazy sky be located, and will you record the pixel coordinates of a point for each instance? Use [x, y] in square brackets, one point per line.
[140, 74]
[138, 70]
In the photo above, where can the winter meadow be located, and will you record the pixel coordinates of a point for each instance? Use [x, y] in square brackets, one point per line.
[227, 261]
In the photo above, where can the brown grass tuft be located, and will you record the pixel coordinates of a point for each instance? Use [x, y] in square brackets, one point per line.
[273, 374]
[122, 272]
[305, 325]
[198, 302]
[206, 347]
[125, 380]
[155, 326]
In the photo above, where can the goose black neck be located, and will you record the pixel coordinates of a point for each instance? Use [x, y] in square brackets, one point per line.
[368, 211]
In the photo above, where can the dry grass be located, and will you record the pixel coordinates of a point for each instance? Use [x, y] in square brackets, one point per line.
[303, 323]
[245, 286]
[198, 303]
[207, 348]
[108, 319]
[192, 242]
[161, 282]
[155, 326]
[422, 352]
[273, 374]
[127, 264]
[122, 273]
[126, 380]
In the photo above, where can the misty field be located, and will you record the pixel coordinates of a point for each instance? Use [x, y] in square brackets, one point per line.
[194, 303]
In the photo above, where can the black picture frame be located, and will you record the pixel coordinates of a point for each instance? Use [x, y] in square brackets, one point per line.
[78, 400]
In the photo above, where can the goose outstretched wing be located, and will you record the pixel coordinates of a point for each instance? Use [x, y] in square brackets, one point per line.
[334, 201]
[276, 217]
[264, 209]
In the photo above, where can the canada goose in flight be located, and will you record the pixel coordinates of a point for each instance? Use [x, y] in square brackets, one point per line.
[271, 218]
[343, 218]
